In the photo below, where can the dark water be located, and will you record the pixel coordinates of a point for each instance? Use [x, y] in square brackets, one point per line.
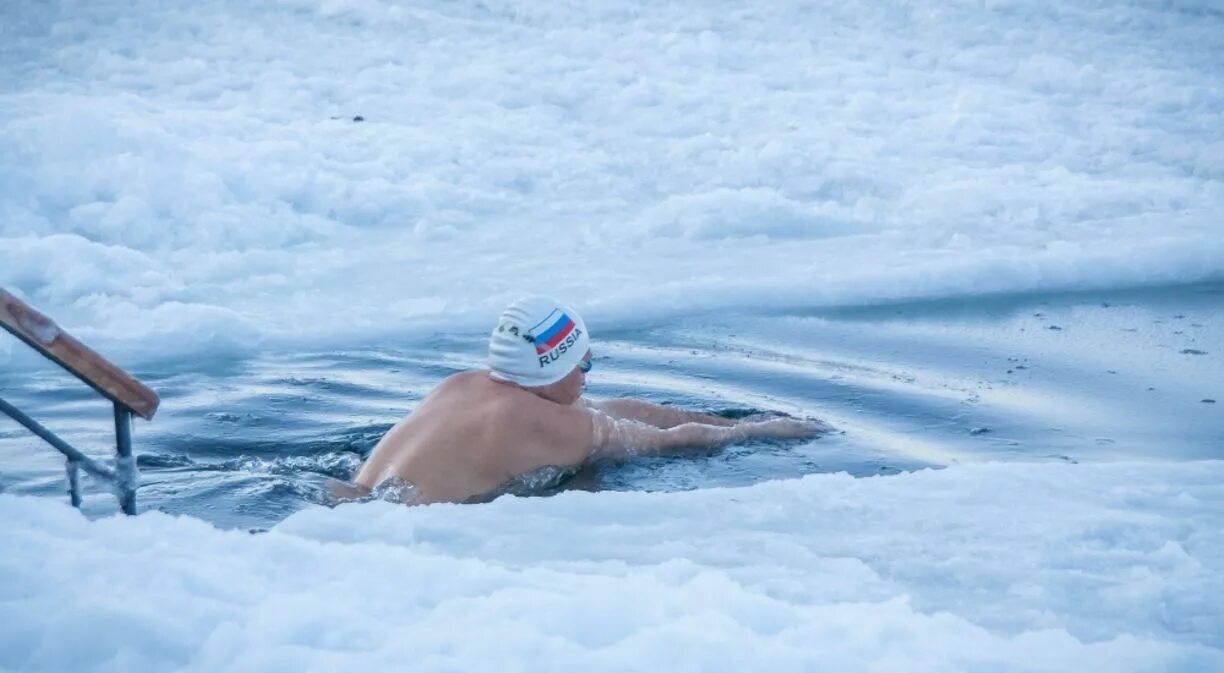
[1072, 377]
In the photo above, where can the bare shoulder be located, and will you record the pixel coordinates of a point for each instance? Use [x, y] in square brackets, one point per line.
[463, 378]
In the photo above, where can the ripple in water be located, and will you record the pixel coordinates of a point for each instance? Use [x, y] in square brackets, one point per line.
[905, 387]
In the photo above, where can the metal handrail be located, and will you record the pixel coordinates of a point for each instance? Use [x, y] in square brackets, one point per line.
[128, 395]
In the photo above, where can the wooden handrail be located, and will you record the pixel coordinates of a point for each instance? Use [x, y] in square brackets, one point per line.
[42, 334]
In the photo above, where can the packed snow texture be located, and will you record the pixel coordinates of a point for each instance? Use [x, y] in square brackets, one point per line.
[995, 567]
[181, 176]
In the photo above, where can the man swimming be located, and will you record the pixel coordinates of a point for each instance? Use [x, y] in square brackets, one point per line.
[480, 429]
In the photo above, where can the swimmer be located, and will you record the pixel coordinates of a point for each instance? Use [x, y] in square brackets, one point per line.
[480, 429]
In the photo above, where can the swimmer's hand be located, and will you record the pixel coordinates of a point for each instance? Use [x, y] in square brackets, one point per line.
[779, 428]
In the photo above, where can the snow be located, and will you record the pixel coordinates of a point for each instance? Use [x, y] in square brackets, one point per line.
[1002, 567]
[190, 179]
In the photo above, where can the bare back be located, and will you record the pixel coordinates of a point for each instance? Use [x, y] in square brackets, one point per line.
[471, 436]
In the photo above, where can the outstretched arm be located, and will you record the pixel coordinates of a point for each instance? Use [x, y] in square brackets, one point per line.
[573, 434]
[654, 414]
[625, 438]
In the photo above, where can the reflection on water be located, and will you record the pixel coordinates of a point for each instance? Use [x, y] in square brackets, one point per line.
[905, 387]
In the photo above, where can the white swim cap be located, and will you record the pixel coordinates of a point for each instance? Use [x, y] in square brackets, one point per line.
[537, 341]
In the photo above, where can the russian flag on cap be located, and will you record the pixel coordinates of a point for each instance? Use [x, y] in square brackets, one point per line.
[559, 327]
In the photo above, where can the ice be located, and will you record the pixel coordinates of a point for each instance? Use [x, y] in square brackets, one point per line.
[177, 182]
[1008, 567]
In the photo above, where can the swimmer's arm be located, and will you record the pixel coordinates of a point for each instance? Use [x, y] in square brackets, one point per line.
[655, 414]
[627, 439]
[622, 438]
[574, 434]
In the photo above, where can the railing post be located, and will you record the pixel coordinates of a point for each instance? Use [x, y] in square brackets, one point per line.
[123, 476]
[125, 463]
[74, 481]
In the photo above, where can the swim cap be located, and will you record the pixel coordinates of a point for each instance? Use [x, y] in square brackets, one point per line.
[537, 341]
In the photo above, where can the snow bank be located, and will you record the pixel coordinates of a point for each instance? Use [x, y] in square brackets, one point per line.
[997, 567]
[178, 178]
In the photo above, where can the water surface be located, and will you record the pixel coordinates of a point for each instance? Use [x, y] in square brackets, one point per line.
[1070, 377]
